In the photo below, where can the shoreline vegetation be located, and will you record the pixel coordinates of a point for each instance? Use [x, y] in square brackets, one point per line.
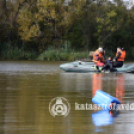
[61, 55]
[48, 55]
[55, 31]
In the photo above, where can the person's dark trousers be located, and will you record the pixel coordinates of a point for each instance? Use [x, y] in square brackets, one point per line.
[108, 65]
[118, 64]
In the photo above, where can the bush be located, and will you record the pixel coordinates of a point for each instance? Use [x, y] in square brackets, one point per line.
[61, 55]
[17, 54]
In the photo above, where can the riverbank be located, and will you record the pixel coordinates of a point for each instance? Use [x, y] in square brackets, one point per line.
[50, 55]
[62, 55]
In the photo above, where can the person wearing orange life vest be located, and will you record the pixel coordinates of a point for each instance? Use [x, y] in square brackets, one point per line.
[98, 58]
[123, 51]
[120, 57]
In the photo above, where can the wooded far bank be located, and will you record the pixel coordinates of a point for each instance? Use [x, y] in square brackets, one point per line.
[53, 30]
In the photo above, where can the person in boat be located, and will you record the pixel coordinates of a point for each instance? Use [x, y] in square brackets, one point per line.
[123, 50]
[98, 58]
[120, 57]
[108, 64]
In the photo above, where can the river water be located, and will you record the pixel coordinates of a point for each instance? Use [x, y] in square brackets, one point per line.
[27, 88]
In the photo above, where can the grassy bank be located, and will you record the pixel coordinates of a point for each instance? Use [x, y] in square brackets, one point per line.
[61, 55]
[48, 55]
[18, 54]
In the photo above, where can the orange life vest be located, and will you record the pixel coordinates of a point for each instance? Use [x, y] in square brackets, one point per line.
[97, 57]
[122, 56]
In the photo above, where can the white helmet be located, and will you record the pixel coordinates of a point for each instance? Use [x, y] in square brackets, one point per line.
[100, 49]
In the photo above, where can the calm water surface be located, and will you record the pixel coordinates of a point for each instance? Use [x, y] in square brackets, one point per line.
[26, 89]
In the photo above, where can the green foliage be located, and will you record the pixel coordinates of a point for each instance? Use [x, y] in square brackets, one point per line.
[82, 25]
[15, 53]
[61, 55]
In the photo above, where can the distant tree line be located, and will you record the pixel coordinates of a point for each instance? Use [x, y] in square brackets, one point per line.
[81, 25]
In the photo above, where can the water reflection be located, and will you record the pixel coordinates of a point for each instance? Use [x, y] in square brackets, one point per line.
[100, 81]
[120, 87]
[103, 118]
[106, 117]
[97, 82]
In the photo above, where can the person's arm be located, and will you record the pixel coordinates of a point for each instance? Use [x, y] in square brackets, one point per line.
[96, 57]
[102, 59]
[119, 54]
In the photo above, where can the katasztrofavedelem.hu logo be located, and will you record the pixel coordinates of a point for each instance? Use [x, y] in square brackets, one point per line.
[59, 106]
